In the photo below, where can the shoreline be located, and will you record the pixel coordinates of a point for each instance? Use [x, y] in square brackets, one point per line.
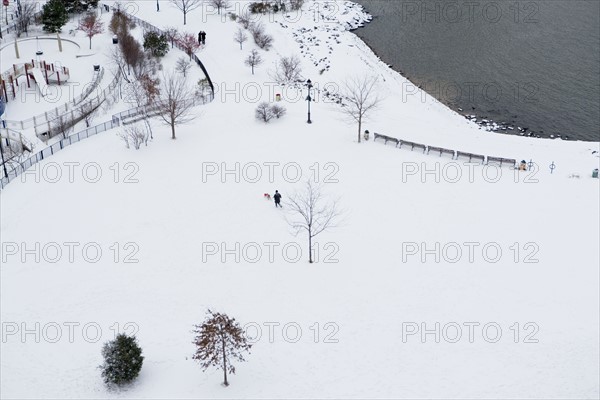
[483, 121]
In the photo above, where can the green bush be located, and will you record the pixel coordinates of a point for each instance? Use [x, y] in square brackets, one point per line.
[156, 44]
[122, 360]
[54, 16]
[260, 8]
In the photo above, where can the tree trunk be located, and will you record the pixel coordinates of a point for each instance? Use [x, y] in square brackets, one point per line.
[184, 17]
[310, 260]
[359, 127]
[173, 129]
[224, 364]
[90, 42]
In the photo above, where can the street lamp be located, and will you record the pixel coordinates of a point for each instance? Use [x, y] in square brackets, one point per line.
[309, 99]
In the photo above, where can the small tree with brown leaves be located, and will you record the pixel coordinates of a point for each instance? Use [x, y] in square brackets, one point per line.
[91, 26]
[189, 44]
[219, 340]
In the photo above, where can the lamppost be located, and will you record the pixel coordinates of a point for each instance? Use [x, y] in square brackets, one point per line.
[5, 3]
[157, 6]
[309, 99]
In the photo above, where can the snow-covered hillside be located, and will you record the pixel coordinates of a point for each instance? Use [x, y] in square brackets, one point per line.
[507, 259]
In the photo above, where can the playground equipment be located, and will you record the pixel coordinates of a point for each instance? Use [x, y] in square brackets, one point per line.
[41, 72]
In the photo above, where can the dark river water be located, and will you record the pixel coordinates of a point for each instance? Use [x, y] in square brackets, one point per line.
[528, 64]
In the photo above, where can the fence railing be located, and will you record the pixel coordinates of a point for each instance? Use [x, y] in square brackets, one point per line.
[17, 168]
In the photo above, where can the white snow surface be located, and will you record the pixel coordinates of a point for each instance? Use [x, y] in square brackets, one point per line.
[367, 297]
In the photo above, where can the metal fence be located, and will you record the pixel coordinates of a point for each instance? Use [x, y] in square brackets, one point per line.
[17, 168]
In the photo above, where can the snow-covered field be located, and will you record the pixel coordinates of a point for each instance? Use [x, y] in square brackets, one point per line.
[515, 271]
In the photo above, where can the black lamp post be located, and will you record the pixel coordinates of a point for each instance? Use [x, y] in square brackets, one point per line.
[309, 99]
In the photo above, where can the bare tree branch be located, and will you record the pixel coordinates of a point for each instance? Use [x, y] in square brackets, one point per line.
[185, 6]
[175, 101]
[359, 99]
[310, 211]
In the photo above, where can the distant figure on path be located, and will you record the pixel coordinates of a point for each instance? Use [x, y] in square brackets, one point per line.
[200, 37]
[203, 37]
[277, 198]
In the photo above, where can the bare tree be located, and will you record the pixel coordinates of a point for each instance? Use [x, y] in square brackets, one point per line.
[183, 65]
[278, 111]
[26, 16]
[266, 112]
[261, 38]
[143, 92]
[189, 44]
[133, 135]
[245, 20]
[62, 125]
[185, 6]
[263, 112]
[172, 35]
[175, 101]
[310, 212]
[288, 70]
[240, 37]
[88, 110]
[219, 4]
[254, 59]
[91, 26]
[219, 340]
[360, 98]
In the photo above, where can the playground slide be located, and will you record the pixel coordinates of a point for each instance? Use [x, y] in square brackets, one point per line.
[40, 80]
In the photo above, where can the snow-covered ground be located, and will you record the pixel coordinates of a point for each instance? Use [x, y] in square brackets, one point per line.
[523, 291]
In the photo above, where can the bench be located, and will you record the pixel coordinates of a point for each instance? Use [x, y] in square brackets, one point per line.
[413, 145]
[471, 156]
[386, 138]
[441, 150]
[500, 160]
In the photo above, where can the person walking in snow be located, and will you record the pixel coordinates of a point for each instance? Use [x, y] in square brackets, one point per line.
[203, 37]
[200, 37]
[277, 198]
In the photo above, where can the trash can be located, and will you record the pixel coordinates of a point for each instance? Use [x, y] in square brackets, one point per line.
[278, 97]
[366, 135]
[595, 173]
[115, 39]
